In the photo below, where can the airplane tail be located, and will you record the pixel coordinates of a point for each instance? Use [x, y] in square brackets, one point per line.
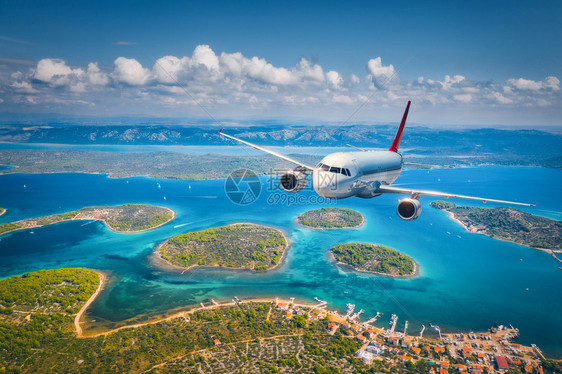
[398, 137]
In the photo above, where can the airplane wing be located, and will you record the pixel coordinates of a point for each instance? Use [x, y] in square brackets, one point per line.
[271, 152]
[414, 192]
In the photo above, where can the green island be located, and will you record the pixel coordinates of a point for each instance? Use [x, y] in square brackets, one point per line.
[239, 246]
[507, 224]
[2, 211]
[331, 218]
[128, 218]
[374, 258]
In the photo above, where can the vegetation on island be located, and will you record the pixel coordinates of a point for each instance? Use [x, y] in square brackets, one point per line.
[374, 258]
[123, 218]
[36, 312]
[37, 335]
[507, 224]
[331, 218]
[2, 211]
[240, 246]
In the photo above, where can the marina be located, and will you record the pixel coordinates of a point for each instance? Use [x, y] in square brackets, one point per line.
[491, 351]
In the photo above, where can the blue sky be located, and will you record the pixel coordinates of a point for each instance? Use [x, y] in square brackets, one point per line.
[475, 63]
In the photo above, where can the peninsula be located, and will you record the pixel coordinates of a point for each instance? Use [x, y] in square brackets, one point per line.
[372, 258]
[507, 224]
[238, 246]
[331, 218]
[269, 335]
[128, 218]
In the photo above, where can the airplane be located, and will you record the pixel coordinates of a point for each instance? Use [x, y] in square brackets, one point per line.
[364, 174]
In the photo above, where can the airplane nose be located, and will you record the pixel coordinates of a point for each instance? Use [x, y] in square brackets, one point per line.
[316, 182]
[319, 180]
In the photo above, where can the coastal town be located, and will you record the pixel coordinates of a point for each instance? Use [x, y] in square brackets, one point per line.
[493, 351]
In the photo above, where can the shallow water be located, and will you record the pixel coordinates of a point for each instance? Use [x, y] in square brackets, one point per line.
[465, 281]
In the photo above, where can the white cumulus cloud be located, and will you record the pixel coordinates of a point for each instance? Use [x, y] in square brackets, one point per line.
[168, 68]
[334, 79]
[96, 76]
[130, 71]
[204, 55]
[380, 73]
[552, 83]
[230, 82]
[56, 72]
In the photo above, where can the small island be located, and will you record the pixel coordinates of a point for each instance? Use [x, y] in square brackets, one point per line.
[2, 211]
[373, 258]
[238, 246]
[331, 218]
[128, 218]
[507, 224]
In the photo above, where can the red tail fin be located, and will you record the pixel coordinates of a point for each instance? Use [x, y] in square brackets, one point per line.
[398, 137]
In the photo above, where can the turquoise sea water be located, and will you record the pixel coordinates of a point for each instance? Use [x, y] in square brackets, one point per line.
[466, 281]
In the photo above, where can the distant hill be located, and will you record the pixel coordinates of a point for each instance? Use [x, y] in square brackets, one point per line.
[421, 139]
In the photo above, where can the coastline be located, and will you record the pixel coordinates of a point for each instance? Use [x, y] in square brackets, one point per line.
[156, 259]
[87, 304]
[414, 274]
[363, 220]
[551, 252]
[91, 219]
[145, 230]
[181, 312]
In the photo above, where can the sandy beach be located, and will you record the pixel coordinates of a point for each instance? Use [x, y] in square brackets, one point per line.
[87, 304]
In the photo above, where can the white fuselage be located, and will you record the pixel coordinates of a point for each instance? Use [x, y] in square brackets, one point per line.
[344, 174]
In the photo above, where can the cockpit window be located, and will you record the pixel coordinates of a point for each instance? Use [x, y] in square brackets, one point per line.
[323, 167]
[334, 169]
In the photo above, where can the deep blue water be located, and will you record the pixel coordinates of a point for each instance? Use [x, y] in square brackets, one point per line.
[466, 281]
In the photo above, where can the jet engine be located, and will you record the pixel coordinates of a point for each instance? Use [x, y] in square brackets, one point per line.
[293, 181]
[409, 209]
